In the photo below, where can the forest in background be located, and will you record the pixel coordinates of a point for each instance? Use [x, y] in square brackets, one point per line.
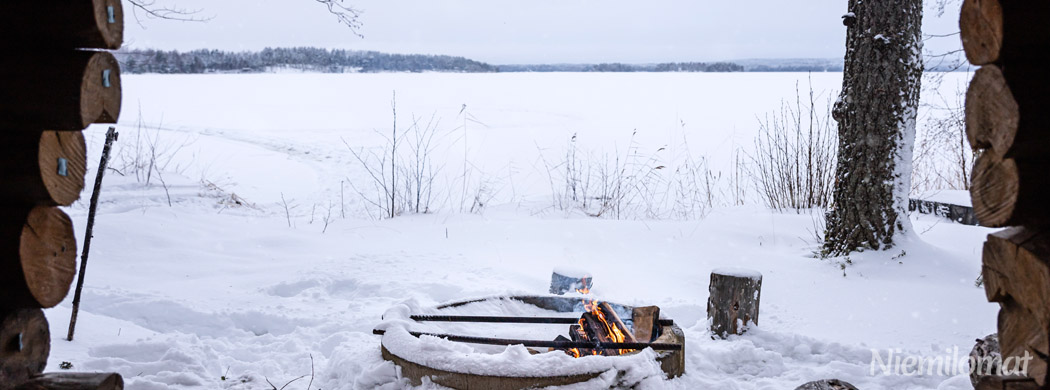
[342, 61]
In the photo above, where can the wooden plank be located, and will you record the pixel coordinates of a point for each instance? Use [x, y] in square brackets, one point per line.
[32, 24]
[37, 257]
[42, 168]
[25, 342]
[62, 90]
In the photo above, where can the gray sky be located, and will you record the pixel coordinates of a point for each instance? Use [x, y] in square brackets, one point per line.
[536, 31]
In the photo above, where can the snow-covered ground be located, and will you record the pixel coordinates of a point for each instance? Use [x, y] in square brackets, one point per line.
[224, 283]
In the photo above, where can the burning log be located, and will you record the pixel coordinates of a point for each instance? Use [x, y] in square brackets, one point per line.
[733, 300]
[563, 281]
[601, 324]
[74, 381]
[44, 168]
[25, 342]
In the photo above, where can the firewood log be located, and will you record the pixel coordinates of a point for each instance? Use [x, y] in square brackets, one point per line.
[733, 300]
[74, 381]
[42, 168]
[994, 30]
[25, 342]
[1009, 192]
[37, 257]
[646, 323]
[60, 90]
[31, 24]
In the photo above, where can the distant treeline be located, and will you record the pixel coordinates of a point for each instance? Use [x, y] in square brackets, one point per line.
[618, 67]
[313, 59]
[301, 58]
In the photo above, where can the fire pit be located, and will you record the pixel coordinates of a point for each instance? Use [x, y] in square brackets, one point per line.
[540, 341]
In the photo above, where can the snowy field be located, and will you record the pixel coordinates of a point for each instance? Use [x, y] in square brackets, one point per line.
[247, 257]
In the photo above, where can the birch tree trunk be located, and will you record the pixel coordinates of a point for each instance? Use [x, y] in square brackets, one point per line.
[876, 114]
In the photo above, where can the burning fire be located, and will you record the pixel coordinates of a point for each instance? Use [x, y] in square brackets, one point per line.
[583, 289]
[615, 334]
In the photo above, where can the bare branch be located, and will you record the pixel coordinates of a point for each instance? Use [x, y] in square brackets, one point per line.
[345, 14]
[151, 10]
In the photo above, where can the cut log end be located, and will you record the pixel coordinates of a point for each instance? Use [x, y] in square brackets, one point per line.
[994, 189]
[981, 29]
[63, 163]
[46, 253]
[74, 381]
[646, 323]
[25, 342]
[992, 113]
[1009, 192]
[100, 95]
[109, 20]
[733, 301]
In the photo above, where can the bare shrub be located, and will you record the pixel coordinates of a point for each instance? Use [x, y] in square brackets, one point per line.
[793, 165]
[631, 183]
[943, 158]
[402, 171]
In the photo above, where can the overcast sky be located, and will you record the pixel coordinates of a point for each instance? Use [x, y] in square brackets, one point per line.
[521, 32]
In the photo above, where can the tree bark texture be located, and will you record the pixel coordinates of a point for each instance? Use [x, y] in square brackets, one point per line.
[876, 115]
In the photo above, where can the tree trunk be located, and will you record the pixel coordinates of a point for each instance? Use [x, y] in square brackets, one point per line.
[876, 115]
[733, 300]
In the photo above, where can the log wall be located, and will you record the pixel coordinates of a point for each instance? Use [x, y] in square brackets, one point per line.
[60, 80]
[1007, 118]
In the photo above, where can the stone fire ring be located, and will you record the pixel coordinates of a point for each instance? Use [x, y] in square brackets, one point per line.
[672, 363]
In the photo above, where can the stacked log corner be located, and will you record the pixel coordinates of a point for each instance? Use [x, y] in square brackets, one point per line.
[60, 80]
[1007, 119]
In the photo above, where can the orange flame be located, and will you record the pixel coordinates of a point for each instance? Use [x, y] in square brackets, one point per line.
[613, 331]
[583, 289]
